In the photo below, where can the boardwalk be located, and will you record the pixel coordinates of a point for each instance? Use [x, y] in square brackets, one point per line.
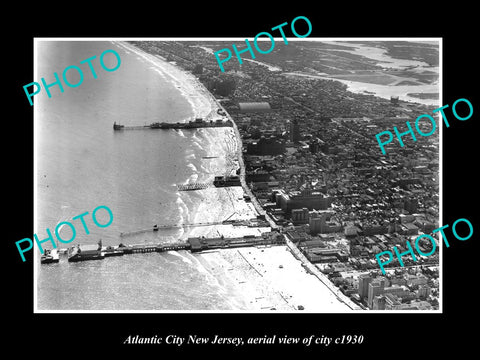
[192, 244]
[243, 182]
[312, 269]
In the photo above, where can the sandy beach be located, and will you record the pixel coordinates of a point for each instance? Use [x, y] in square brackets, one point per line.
[252, 278]
[268, 278]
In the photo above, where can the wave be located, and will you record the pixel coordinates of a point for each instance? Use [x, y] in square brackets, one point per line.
[184, 258]
[212, 279]
[193, 167]
[180, 133]
[192, 179]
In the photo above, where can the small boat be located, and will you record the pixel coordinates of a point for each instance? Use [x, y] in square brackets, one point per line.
[50, 256]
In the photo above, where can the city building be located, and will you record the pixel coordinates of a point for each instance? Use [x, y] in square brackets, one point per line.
[318, 222]
[266, 146]
[379, 302]
[294, 132]
[424, 291]
[363, 281]
[376, 287]
[392, 302]
[322, 255]
[394, 100]
[300, 216]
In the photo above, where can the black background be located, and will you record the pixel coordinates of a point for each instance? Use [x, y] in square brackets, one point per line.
[385, 334]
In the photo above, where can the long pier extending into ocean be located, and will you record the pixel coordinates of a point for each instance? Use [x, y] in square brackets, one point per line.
[196, 124]
[195, 244]
[194, 186]
[248, 223]
[203, 244]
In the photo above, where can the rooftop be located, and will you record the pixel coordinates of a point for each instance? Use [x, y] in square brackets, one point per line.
[254, 106]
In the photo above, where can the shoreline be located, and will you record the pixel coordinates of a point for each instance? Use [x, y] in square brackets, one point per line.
[278, 281]
[269, 278]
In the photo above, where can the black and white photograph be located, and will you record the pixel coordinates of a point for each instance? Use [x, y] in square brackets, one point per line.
[254, 186]
[216, 179]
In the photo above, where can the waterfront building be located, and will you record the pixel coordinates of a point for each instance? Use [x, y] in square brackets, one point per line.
[257, 176]
[296, 236]
[266, 146]
[311, 199]
[322, 255]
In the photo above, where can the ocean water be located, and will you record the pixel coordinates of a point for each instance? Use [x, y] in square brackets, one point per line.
[83, 163]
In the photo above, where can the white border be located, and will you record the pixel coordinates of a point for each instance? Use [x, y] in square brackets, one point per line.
[341, 39]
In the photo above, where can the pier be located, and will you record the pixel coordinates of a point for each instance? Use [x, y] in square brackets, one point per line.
[249, 223]
[196, 124]
[196, 244]
[193, 186]
[148, 248]
[219, 181]
[201, 244]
